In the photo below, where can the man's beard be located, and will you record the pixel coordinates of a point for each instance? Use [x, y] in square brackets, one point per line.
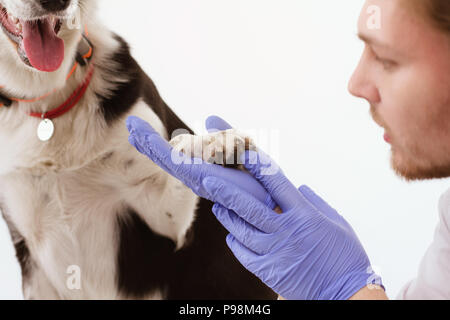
[412, 170]
[412, 165]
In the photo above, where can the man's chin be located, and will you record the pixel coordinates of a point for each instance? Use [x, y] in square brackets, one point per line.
[411, 170]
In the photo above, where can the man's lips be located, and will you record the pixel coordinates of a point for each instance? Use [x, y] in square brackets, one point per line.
[386, 136]
[377, 119]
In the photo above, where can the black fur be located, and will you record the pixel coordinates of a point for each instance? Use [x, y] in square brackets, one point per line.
[207, 269]
[126, 94]
[22, 252]
[143, 257]
[203, 269]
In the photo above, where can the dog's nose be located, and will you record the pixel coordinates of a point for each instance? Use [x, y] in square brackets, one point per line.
[54, 5]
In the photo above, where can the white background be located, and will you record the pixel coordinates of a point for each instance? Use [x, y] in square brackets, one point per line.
[280, 67]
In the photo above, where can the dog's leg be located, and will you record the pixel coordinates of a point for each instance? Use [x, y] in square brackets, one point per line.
[35, 283]
[36, 286]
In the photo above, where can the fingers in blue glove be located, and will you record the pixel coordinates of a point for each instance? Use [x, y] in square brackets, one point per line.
[244, 204]
[136, 140]
[269, 174]
[190, 171]
[215, 124]
[319, 203]
[147, 141]
[323, 207]
[254, 239]
[245, 256]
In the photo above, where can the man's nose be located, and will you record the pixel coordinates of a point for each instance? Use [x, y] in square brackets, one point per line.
[361, 85]
[54, 5]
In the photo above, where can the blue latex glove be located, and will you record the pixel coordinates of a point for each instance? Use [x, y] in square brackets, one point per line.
[190, 171]
[309, 252]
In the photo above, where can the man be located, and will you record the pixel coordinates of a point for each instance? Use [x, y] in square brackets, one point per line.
[310, 251]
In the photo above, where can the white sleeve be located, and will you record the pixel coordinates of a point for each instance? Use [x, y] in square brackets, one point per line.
[433, 280]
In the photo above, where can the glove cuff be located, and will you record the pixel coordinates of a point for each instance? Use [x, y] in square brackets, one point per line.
[350, 285]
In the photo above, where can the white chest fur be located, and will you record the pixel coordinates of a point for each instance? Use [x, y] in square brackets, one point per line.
[64, 196]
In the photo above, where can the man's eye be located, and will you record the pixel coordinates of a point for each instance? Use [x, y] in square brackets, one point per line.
[386, 63]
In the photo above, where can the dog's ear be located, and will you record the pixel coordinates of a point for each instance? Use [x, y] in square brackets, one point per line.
[5, 101]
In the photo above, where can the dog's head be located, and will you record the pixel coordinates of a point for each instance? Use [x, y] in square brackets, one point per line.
[41, 33]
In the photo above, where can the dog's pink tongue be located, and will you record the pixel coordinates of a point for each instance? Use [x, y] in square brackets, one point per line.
[43, 48]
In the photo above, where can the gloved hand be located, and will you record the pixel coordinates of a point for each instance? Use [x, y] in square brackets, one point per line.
[309, 252]
[190, 171]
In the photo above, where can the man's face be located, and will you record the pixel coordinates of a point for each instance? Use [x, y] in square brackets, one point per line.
[404, 74]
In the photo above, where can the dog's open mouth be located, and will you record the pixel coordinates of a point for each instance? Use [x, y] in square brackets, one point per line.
[37, 41]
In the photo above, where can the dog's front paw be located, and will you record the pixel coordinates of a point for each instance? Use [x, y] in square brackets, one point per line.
[224, 147]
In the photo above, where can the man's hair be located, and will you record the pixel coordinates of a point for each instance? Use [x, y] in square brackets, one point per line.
[435, 11]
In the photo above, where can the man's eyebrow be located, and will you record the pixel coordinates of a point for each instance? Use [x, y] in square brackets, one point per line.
[372, 41]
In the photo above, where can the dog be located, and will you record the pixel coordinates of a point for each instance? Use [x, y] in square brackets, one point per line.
[89, 216]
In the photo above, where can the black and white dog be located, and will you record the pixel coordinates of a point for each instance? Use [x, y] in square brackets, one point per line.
[74, 192]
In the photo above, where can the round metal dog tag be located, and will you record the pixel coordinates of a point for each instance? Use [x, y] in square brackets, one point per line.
[46, 130]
